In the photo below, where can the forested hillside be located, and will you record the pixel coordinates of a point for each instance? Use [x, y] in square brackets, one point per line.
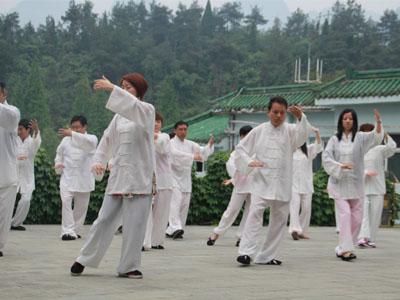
[189, 56]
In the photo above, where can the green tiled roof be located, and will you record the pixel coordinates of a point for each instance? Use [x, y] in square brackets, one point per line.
[364, 84]
[258, 98]
[202, 125]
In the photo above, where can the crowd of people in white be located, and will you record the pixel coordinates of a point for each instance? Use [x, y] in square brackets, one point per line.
[149, 186]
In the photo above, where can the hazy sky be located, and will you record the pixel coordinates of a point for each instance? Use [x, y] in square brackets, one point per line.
[377, 6]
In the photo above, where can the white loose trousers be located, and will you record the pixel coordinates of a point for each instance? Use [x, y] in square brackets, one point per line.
[300, 221]
[134, 211]
[73, 219]
[179, 209]
[158, 219]
[372, 215]
[279, 212]
[230, 214]
[7, 201]
[22, 209]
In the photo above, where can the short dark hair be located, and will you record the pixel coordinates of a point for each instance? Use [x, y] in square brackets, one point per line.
[243, 131]
[179, 123]
[366, 127]
[24, 123]
[159, 117]
[2, 85]
[277, 99]
[80, 119]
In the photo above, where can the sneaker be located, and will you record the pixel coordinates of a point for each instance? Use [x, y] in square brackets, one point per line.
[371, 244]
[133, 274]
[244, 259]
[19, 228]
[68, 237]
[77, 269]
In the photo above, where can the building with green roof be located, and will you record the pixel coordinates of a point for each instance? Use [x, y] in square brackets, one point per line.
[361, 90]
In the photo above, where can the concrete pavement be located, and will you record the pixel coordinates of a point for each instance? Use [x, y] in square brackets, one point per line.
[36, 266]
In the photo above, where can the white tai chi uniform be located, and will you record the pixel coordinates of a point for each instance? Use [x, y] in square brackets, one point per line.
[182, 156]
[9, 118]
[240, 193]
[76, 154]
[129, 141]
[158, 217]
[271, 185]
[375, 188]
[26, 153]
[345, 186]
[303, 188]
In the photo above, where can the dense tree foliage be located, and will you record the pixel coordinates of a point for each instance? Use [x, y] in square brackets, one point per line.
[189, 56]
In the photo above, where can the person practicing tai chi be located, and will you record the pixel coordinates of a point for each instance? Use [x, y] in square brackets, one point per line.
[73, 161]
[375, 188]
[240, 194]
[129, 142]
[27, 148]
[158, 217]
[343, 160]
[183, 154]
[303, 187]
[9, 118]
[266, 153]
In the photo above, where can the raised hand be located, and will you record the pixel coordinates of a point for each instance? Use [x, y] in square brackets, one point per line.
[103, 84]
[63, 132]
[34, 126]
[296, 111]
[211, 141]
[377, 116]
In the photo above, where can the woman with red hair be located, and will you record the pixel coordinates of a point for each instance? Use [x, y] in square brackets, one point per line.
[129, 142]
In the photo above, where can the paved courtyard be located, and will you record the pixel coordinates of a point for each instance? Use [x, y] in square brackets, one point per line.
[36, 266]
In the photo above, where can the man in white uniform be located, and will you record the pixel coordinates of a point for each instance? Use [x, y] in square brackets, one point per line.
[27, 148]
[9, 118]
[375, 188]
[73, 161]
[267, 152]
[183, 152]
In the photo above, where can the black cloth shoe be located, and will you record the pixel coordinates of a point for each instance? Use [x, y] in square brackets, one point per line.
[177, 234]
[68, 237]
[77, 269]
[237, 243]
[210, 242]
[1, 254]
[169, 236]
[19, 228]
[244, 259]
[79, 236]
[133, 274]
[158, 247]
